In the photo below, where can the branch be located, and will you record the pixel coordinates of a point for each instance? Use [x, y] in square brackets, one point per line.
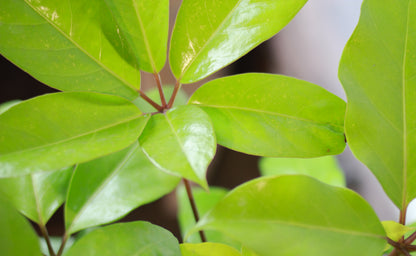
[159, 87]
[194, 209]
[44, 232]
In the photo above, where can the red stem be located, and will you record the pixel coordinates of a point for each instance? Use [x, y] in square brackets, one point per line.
[175, 92]
[151, 102]
[194, 209]
[159, 87]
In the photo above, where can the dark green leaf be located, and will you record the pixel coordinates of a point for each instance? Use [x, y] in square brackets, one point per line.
[297, 215]
[70, 45]
[209, 35]
[127, 239]
[378, 72]
[273, 115]
[180, 141]
[208, 249]
[61, 129]
[38, 195]
[108, 188]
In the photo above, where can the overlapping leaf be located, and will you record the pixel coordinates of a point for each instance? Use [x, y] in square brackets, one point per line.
[273, 115]
[378, 72]
[180, 141]
[108, 188]
[208, 249]
[297, 215]
[38, 195]
[70, 45]
[209, 35]
[59, 130]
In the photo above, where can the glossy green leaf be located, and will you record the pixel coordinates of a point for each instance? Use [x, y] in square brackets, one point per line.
[273, 115]
[7, 105]
[378, 72]
[144, 25]
[17, 236]
[297, 215]
[126, 239]
[325, 168]
[37, 195]
[108, 188]
[209, 35]
[70, 45]
[396, 230]
[180, 141]
[208, 249]
[145, 107]
[61, 129]
[205, 201]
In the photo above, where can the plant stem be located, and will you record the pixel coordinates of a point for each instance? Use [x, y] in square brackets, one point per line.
[44, 232]
[175, 92]
[159, 87]
[194, 209]
[411, 238]
[61, 249]
[150, 101]
[402, 219]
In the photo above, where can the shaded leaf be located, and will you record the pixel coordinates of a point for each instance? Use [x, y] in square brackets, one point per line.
[69, 45]
[325, 168]
[57, 130]
[180, 141]
[273, 115]
[209, 35]
[56, 244]
[378, 72]
[297, 215]
[208, 249]
[126, 239]
[38, 195]
[108, 188]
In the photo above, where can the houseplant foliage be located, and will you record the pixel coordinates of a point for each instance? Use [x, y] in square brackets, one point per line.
[97, 145]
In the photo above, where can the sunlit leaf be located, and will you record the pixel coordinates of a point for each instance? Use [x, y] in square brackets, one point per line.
[6, 105]
[396, 230]
[180, 99]
[208, 249]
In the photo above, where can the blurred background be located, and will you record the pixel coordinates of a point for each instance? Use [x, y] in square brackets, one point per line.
[308, 48]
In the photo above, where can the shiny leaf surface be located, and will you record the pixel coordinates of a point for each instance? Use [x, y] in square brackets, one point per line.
[144, 25]
[325, 168]
[126, 239]
[209, 35]
[38, 195]
[17, 236]
[61, 129]
[108, 188]
[378, 72]
[70, 45]
[297, 215]
[180, 141]
[7, 105]
[273, 115]
[208, 249]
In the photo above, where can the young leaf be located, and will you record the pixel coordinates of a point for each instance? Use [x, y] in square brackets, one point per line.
[297, 215]
[61, 129]
[325, 168]
[144, 25]
[395, 230]
[37, 195]
[273, 115]
[69, 45]
[208, 249]
[378, 72]
[209, 35]
[180, 141]
[17, 237]
[108, 188]
[126, 239]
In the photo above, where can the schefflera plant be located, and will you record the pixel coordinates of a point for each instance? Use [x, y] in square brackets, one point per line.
[97, 148]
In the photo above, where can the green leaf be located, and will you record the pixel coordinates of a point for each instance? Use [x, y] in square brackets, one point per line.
[70, 45]
[396, 230]
[208, 249]
[325, 168]
[205, 201]
[57, 130]
[180, 141]
[297, 215]
[127, 239]
[17, 237]
[144, 25]
[56, 242]
[378, 72]
[273, 115]
[153, 93]
[38, 195]
[108, 188]
[209, 35]
[7, 105]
